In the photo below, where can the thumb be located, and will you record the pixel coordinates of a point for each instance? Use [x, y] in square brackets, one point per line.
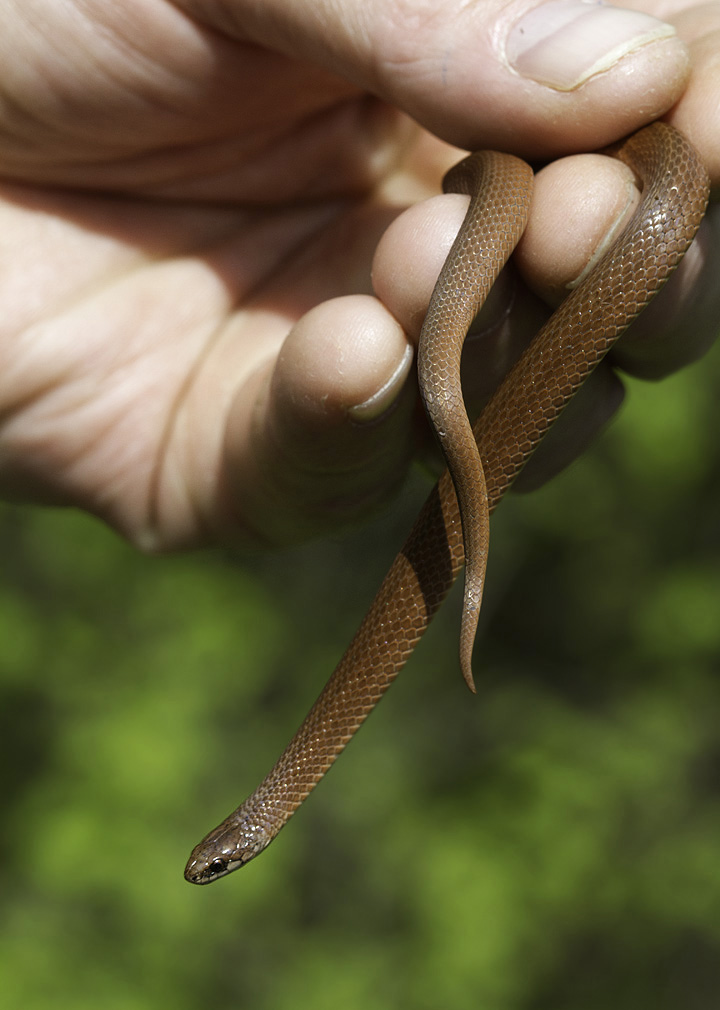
[538, 79]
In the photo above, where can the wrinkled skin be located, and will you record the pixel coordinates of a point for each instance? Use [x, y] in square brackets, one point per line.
[193, 197]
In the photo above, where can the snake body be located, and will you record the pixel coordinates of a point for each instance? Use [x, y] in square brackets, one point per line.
[500, 188]
[582, 330]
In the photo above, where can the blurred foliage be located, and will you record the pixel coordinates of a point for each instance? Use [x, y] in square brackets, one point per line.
[552, 844]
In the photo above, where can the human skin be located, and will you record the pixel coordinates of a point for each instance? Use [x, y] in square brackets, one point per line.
[209, 282]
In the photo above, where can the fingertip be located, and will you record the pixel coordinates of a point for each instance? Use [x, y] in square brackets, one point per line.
[322, 437]
[348, 357]
[410, 256]
[697, 113]
[580, 203]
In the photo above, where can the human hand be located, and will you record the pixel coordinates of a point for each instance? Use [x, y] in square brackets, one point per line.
[191, 348]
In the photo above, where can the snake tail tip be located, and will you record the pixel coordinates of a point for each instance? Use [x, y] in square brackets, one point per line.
[468, 677]
[467, 641]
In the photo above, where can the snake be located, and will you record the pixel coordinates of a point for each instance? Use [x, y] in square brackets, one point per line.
[451, 530]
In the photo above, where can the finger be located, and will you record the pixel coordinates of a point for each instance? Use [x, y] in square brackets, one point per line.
[580, 204]
[560, 75]
[407, 261]
[594, 404]
[589, 190]
[680, 325]
[319, 438]
[697, 113]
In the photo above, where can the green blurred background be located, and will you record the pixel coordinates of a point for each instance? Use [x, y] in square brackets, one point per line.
[553, 843]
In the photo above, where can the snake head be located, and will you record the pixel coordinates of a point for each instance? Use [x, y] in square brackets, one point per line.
[228, 847]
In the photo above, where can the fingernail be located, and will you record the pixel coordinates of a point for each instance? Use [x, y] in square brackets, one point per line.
[627, 204]
[385, 397]
[565, 42]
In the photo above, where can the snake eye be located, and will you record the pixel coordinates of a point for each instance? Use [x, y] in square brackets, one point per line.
[217, 867]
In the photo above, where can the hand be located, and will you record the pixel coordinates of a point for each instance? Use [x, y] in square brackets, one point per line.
[193, 196]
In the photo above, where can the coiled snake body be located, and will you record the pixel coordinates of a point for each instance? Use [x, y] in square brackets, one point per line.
[483, 460]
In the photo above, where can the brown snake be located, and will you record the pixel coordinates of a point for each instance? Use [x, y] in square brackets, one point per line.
[675, 192]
